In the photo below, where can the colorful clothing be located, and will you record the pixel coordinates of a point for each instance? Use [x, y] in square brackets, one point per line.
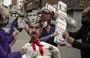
[5, 50]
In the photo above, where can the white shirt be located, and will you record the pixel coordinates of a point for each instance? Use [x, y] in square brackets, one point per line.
[47, 52]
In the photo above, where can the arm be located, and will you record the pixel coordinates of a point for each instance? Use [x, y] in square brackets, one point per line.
[4, 53]
[14, 40]
[78, 34]
[46, 38]
[10, 38]
[49, 36]
[12, 43]
[79, 45]
[55, 53]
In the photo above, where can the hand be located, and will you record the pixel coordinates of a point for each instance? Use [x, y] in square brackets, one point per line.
[23, 51]
[62, 43]
[65, 34]
[54, 34]
[70, 40]
[15, 33]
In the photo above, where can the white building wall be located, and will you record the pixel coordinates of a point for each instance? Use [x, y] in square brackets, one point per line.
[6, 2]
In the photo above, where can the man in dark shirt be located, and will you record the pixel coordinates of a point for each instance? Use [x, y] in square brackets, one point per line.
[83, 33]
[49, 29]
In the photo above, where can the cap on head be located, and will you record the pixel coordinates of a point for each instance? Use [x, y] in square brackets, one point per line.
[45, 10]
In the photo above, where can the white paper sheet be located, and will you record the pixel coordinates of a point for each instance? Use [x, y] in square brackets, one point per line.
[60, 28]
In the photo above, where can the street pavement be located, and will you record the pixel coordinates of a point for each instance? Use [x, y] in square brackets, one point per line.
[65, 52]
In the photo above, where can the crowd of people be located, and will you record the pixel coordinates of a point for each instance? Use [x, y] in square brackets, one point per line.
[42, 33]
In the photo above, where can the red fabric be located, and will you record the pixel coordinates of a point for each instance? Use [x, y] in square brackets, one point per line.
[37, 42]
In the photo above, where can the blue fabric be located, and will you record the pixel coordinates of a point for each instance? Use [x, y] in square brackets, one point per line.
[9, 35]
[5, 51]
[49, 40]
[10, 38]
[10, 25]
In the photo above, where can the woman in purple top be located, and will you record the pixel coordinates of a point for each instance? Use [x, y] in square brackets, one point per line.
[5, 50]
